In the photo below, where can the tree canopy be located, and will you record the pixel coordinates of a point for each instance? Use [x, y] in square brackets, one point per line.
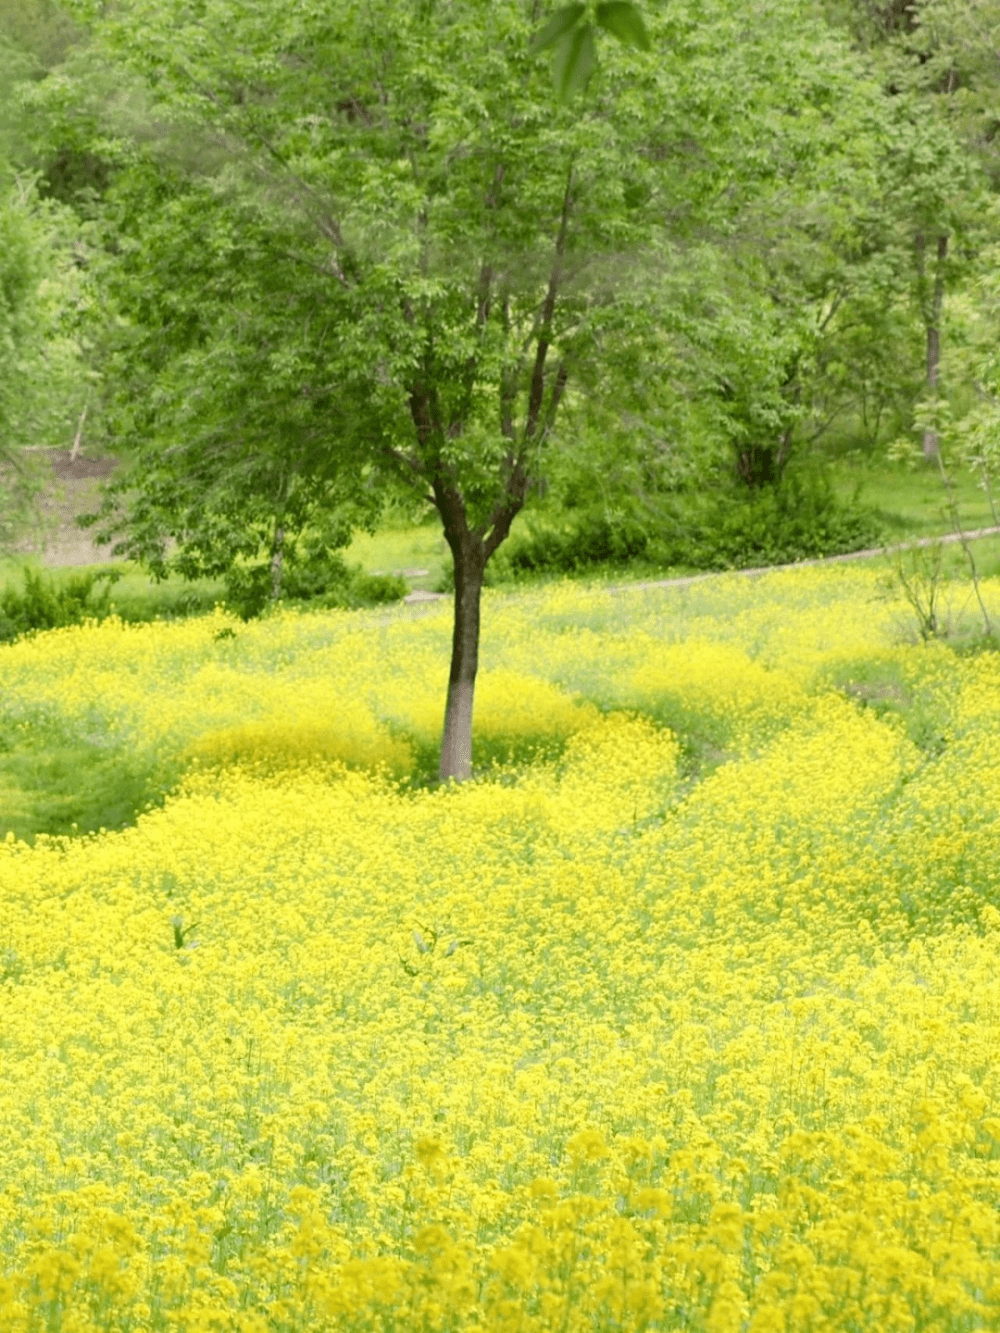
[43, 381]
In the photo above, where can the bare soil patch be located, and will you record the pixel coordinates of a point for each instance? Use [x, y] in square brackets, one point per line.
[71, 487]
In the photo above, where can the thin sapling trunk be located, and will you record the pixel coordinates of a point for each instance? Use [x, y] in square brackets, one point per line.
[933, 301]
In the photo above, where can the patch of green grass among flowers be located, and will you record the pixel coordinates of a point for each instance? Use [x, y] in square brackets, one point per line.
[53, 782]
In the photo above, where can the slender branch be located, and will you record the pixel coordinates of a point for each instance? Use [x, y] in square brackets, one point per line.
[825, 426]
[508, 379]
[74, 453]
[454, 519]
[326, 222]
[483, 303]
[421, 410]
[507, 508]
[562, 375]
[406, 462]
[956, 520]
[472, 361]
[838, 301]
[548, 310]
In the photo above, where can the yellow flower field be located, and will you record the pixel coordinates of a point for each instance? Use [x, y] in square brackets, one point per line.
[685, 1015]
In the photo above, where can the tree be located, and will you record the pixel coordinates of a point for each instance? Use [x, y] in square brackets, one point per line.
[938, 64]
[242, 440]
[934, 199]
[406, 253]
[41, 292]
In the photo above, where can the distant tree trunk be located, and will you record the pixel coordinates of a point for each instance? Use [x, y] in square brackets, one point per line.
[931, 303]
[277, 560]
[74, 453]
[761, 464]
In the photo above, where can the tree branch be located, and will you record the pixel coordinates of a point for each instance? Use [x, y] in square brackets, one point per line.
[562, 375]
[548, 310]
[327, 223]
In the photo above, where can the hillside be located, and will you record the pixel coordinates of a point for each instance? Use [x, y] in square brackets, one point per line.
[70, 488]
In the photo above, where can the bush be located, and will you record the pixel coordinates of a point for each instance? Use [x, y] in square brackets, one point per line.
[376, 589]
[582, 539]
[799, 519]
[45, 604]
[328, 581]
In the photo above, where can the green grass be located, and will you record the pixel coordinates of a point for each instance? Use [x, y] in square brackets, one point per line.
[396, 549]
[138, 597]
[912, 502]
[53, 782]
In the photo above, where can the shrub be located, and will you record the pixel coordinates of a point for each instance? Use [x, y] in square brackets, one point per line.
[45, 604]
[376, 589]
[799, 519]
[328, 581]
[583, 538]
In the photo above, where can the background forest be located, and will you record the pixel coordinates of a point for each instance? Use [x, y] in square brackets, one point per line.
[280, 262]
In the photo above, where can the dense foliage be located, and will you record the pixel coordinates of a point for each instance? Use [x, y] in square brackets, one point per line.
[800, 520]
[42, 603]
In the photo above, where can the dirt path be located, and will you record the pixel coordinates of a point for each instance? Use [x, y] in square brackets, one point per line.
[70, 489]
[684, 580]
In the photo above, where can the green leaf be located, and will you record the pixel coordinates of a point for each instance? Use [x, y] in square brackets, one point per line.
[623, 21]
[574, 61]
[558, 26]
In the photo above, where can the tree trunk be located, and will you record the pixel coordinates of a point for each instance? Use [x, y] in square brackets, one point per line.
[932, 446]
[456, 743]
[277, 561]
[932, 323]
[74, 453]
[759, 465]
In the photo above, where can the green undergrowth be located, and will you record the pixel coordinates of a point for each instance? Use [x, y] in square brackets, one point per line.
[58, 783]
[40, 600]
[728, 528]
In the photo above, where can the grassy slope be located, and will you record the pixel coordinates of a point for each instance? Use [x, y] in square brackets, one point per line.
[913, 502]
